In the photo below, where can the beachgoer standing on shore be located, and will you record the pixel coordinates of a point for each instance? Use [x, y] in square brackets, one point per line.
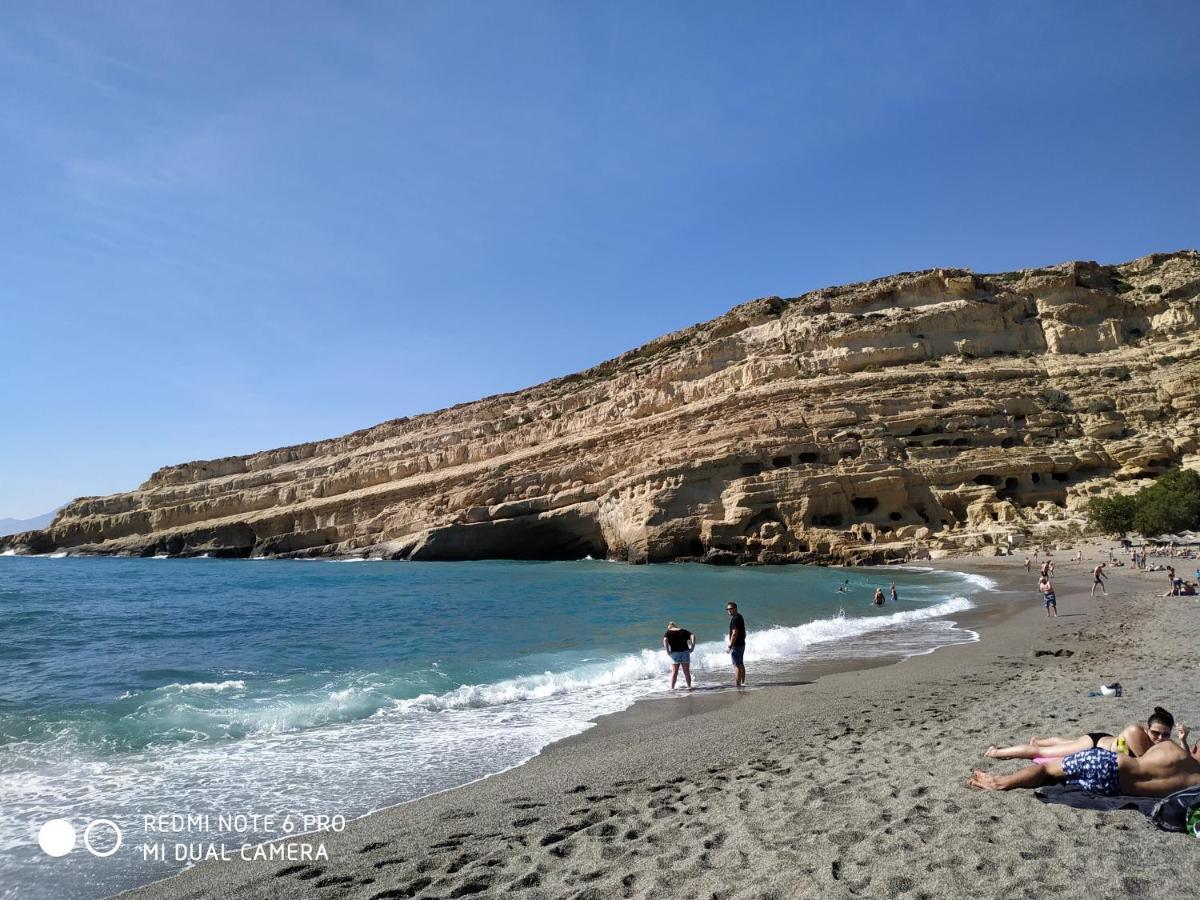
[679, 643]
[1098, 576]
[1047, 589]
[1028, 562]
[736, 642]
[1046, 569]
[878, 601]
[1078, 556]
[895, 596]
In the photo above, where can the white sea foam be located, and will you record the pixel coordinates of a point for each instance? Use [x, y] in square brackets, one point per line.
[779, 644]
[8, 553]
[979, 581]
[232, 685]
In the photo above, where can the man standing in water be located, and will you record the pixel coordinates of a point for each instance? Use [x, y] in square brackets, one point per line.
[736, 642]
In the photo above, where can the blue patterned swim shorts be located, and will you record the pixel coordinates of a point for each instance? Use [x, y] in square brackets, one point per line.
[1094, 771]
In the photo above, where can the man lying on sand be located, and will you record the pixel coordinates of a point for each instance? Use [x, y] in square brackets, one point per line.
[1164, 769]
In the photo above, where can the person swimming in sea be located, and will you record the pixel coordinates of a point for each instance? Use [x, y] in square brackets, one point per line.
[878, 601]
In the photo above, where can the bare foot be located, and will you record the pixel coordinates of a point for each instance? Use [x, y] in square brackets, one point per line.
[992, 752]
[984, 781]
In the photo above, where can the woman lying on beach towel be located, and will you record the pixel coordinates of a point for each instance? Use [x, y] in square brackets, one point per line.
[1135, 740]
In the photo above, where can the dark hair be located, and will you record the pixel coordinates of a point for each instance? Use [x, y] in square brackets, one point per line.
[731, 603]
[1163, 718]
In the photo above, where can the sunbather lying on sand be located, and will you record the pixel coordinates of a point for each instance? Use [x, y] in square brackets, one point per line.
[1164, 769]
[1134, 740]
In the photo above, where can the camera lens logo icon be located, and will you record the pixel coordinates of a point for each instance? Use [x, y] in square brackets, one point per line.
[57, 837]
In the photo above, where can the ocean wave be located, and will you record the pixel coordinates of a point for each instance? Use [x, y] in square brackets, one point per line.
[778, 644]
[231, 685]
[235, 708]
[228, 709]
[981, 582]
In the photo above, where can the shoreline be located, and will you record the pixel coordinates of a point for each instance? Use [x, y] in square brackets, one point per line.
[669, 713]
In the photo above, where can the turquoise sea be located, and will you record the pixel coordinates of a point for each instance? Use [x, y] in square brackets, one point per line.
[205, 687]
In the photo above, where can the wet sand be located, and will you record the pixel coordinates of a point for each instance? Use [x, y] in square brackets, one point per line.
[852, 785]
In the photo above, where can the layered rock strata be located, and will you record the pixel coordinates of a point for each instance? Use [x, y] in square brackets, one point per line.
[915, 414]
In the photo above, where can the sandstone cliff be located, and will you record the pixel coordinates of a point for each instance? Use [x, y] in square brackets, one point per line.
[918, 413]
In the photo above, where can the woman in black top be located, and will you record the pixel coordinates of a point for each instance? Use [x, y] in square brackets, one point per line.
[679, 643]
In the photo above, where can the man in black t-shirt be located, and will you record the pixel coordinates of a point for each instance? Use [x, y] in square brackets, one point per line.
[736, 642]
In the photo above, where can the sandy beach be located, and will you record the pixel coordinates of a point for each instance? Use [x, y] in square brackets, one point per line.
[851, 785]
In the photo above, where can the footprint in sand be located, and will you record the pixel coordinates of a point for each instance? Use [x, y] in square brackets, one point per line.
[410, 891]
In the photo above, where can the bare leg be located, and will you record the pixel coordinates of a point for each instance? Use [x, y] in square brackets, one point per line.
[687, 674]
[1029, 751]
[1047, 741]
[741, 676]
[674, 674]
[1029, 777]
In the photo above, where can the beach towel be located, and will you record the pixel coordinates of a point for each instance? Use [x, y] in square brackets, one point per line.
[1069, 795]
[1171, 813]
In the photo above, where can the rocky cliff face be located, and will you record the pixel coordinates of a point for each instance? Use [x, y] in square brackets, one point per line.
[915, 414]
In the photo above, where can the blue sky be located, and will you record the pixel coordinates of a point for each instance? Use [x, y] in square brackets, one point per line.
[229, 227]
